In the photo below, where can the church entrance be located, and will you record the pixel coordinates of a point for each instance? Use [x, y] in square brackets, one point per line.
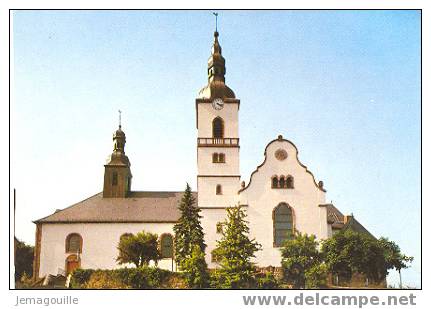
[72, 262]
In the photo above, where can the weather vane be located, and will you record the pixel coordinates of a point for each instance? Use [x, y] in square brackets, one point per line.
[216, 15]
[119, 118]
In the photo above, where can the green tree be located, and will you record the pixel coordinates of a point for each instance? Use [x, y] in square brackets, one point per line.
[234, 252]
[138, 249]
[24, 255]
[188, 229]
[343, 253]
[301, 259]
[351, 252]
[195, 269]
[394, 258]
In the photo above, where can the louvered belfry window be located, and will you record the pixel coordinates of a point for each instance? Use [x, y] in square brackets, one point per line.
[283, 224]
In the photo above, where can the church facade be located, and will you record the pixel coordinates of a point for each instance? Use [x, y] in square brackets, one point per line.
[280, 197]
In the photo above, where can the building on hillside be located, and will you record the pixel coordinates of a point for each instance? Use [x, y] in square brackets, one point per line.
[281, 196]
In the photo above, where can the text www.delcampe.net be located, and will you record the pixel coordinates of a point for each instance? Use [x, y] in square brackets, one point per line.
[329, 300]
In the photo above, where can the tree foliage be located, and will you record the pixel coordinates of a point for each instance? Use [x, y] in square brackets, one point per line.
[23, 260]
[301, 261]
[188, 229]
[195, 269]
[234, 252]
[138, 249]
[350, 252]
[393, 256]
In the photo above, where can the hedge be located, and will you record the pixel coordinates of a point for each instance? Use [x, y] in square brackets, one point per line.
[126, 278]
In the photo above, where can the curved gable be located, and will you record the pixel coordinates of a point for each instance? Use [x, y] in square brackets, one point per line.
[278, 162]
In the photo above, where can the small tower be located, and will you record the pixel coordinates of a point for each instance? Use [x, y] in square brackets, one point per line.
[118, 177]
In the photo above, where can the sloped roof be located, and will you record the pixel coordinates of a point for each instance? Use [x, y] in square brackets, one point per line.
[341, 222]
[335, 217]
[140, 206]
[354, 225]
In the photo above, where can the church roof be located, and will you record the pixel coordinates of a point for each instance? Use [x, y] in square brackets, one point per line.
[140, 206]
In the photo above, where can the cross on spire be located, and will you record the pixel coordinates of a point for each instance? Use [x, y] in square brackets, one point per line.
[119, 118]
[216, 16]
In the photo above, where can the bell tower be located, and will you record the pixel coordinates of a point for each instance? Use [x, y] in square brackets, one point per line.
[118, 177]
[218, 140]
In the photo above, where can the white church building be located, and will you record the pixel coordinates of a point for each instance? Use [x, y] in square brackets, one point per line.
[281, 196]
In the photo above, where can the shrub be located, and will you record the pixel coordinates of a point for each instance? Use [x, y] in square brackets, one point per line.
[144, 277]
[80, 277]
[105, 279]
[268, 281]
[125, 278]
[316, 277]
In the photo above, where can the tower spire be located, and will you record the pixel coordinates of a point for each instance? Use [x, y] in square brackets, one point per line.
[216, 16]
[216, 87]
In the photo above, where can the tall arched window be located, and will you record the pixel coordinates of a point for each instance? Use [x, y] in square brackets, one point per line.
[73, 243]
[289, 182]
[167, 246]
[218, 128]
[283, 224]
[219, 190]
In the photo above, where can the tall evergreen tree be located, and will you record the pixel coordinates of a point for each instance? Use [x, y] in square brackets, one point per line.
[235, 251]
[188, 229]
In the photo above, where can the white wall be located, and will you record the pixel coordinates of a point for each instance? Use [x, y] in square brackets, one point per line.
[99, 249]
[207, 196]
[262, 199]
[206, 114]
[207, 167]
[210, 218]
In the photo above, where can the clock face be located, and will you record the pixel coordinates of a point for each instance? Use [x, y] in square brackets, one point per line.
[218, 103]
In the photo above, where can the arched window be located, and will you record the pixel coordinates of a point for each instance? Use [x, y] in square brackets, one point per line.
[219, 190]
[283, 224]
[282, 182]
[167, 246]
[73, 243]
[114, 178]
[218, 128]
[289, 182]
[274, 182]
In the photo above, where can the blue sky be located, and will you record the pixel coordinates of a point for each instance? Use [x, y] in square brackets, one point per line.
[344, 86]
